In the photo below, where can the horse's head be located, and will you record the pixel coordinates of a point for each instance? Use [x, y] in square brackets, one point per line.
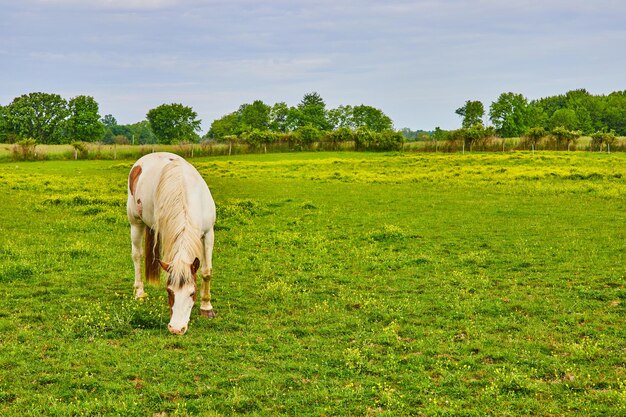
[181, 297]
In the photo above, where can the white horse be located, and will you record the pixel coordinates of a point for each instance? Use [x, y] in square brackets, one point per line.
[170, 203]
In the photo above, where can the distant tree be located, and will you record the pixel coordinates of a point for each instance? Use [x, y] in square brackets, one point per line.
[279, 117]
[582, 103]
[173, 123]
[341, 117]
[312, 112]
[409, 134]
[536, 115]
[509, 114]
[40, 116]
[109, 121]
[227, 125]
[4, 126]
[565, 118]
[372, 118]
[254, 116]
[614, 115]
[472, 113]
[83, 123]
[139, 132]
[439, 134]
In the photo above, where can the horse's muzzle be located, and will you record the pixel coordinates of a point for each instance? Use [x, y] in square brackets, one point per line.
[174, 330]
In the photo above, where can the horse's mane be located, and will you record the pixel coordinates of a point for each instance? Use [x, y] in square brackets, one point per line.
[180, 237]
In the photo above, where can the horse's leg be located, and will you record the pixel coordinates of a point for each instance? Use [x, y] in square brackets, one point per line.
[136, 236]
[206, 309]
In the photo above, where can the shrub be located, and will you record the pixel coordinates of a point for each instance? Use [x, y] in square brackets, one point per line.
[308, 135]
[24, 150]
[121, 140]
[601, 139]
[340, 135]
[80, 149]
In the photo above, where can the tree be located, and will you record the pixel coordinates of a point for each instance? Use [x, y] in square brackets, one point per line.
[439, 134]
[472, 113]
[4, 126]
[40, 116]
[312, 111]
[109, 121]
[341, 117]
[83, 123]
[509, 114]
[174, 123]
[279, 117]
[372, 118]
[139, 132]
[565, 118]
[614, 116]
[227, 125]
[254, 116]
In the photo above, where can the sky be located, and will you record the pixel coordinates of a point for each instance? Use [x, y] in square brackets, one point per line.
[417, 61]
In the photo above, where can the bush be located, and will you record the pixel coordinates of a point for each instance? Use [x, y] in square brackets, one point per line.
[599, 140]
[387, 140]
[120, 140]
[24, 150]
[80, 149]
[308, 135]
[340, 135]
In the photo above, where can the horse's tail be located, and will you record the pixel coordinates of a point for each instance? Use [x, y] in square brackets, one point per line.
[153, 252]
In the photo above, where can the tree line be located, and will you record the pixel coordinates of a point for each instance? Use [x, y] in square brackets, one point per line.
[50, 119]
[561, 119]
[259, 124]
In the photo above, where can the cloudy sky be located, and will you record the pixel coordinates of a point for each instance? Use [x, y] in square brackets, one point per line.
[418, 60]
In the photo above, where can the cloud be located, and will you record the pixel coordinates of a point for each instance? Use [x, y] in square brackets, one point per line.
[417, 60]
[109, 4]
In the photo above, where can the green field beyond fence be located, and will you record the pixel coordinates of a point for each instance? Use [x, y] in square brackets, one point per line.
[345, 284]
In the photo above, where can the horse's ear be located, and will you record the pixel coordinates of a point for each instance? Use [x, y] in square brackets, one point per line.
[195, 266]
[165, 266]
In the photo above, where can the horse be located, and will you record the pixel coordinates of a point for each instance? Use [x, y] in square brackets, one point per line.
[170, 209]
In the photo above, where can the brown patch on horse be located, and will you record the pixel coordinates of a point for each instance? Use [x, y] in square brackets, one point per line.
[133, 178]
[170, 301]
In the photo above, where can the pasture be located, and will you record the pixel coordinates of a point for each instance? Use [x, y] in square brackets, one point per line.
[344, 284]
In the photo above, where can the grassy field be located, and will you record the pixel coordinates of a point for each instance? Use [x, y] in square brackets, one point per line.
[345, 284]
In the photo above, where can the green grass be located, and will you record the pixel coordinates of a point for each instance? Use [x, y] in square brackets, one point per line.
[345, 284]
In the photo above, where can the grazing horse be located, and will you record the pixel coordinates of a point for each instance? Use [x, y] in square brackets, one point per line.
[169, 203]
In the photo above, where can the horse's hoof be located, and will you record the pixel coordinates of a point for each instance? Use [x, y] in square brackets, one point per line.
[207, 313]
[140, 296]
